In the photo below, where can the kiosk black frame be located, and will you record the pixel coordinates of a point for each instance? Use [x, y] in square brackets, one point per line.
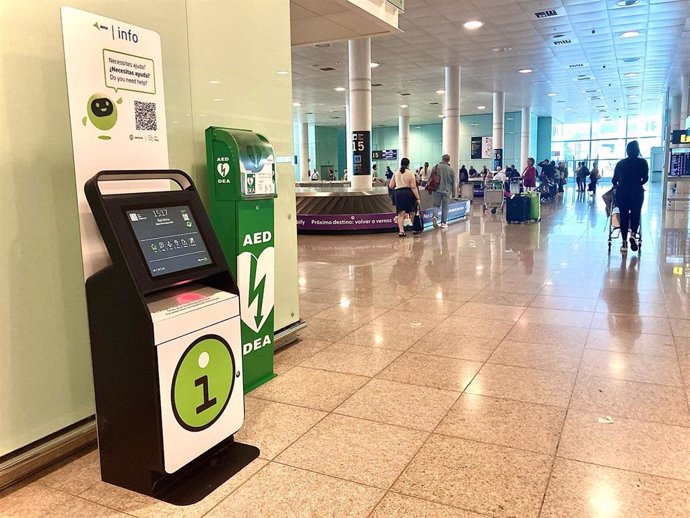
[123, 356]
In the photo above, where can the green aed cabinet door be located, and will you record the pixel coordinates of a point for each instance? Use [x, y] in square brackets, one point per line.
[241, 174]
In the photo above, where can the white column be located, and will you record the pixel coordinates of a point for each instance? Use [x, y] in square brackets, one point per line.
[303, 151]
[348, 137]
[451, 116]
[684, 91]
[524, 138]
[404, 134]
[499, 116]
[359, 67]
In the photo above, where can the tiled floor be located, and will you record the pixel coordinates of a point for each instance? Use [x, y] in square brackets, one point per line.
[488, 370]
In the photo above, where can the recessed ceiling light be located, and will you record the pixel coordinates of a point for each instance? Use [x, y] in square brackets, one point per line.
[552, 94]
[217, 99]
[632, 96]
[441, 115]
[629, 34]
[214, 82]
[502, 49]
[339, 89]
[632, 74]
[282, 72]
[525, 70]
[440, 92]
[629, 60]
[481, 107]
[474, 124]
[627, 3]
[297, 104]
[404, 106]
[570, 109]
[473, 25]
[373, 64]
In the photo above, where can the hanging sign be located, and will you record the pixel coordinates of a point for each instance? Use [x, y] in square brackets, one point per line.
[361, 152]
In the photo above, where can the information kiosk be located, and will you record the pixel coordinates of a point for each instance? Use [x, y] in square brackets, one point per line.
[165, 341]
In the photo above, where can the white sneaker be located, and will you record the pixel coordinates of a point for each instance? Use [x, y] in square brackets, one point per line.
[444, 226]
[434, 220]
[624, 248]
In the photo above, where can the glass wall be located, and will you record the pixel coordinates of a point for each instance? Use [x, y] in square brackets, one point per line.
[604, 141]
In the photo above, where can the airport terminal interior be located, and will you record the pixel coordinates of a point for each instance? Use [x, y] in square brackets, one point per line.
[329, 258]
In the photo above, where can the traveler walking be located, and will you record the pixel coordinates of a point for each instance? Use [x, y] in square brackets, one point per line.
[446, 189]
[630, 175]
[406, 194]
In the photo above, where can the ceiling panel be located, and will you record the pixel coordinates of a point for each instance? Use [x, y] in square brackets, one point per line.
[412, 62]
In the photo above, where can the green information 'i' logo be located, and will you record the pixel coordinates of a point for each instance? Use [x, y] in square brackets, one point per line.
[203, 382]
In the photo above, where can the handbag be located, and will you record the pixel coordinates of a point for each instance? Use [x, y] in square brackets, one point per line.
[417, 225]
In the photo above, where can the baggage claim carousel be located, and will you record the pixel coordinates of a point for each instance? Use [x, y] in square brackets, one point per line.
[343, 210]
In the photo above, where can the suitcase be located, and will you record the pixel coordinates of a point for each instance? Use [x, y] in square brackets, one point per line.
[535, 205]
[518, 209]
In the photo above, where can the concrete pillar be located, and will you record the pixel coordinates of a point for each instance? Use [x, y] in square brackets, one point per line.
[404, 134]
[684, 91]
[359, 67]
[303, 137]
[348, 137]
[499, 114]
[524, 137]
[451, 116]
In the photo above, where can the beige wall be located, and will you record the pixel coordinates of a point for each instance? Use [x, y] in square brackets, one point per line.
[45, 368]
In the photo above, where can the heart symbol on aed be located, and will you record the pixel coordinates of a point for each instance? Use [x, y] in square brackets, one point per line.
[255, 278]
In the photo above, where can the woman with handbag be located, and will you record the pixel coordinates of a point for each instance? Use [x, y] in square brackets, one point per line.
[405, 193]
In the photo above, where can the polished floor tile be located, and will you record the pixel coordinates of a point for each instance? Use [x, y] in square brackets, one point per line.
[431, 371]
[352, 359]
[32, 500]
[635, 324]
[483, 326]
[551, 357]
[355, 449]
[297, 352]
[311, 388]
[387, 337]
[400, 404]
[481, 310]
[76, 476]
[556, 317]
[525, 426]
[395, 505]
[528, 385]
[579, 489]
[484, 478]
[623, 342]
[455, 345]
[641, 446]
[546, 334]
[279, 490]
[272, 426]
[631, 367]
[566, 303]
[643, 401]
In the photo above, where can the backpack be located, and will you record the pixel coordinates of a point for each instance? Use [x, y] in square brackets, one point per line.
[434, 180]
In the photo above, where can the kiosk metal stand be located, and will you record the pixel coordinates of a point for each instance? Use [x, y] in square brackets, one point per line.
[165, 342]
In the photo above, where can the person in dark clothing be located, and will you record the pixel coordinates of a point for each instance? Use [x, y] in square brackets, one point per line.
[628, 178]
[464, 175]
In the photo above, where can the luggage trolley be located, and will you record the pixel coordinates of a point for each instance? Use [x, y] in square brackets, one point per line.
[613, 214]
[493, 196]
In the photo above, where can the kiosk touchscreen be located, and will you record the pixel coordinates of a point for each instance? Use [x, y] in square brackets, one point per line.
[164, 320]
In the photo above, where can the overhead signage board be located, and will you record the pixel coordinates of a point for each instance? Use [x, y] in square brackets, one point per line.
[384, 154]
[117, 109]
[680, 137]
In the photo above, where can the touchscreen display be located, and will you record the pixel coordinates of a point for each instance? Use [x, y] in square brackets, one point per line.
[169, 239]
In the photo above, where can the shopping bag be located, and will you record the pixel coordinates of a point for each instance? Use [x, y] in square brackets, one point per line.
[417, 225]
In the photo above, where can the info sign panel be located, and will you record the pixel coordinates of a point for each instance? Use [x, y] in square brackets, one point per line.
[498, 158]
[117, 109]
[361, 152]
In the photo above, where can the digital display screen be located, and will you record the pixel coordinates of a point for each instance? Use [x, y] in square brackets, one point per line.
[169, 239]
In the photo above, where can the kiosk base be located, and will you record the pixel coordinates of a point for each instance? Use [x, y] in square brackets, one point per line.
[204, 475]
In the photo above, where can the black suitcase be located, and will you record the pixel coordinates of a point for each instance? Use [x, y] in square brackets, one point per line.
[518, 209]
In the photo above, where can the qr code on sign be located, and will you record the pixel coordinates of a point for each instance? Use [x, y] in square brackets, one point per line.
[145, 116]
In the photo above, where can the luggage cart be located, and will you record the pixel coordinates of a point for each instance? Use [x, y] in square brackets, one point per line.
[493, 196]
[613, 213]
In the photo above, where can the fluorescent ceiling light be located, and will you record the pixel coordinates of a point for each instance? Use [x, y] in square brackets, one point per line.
[481, 107]
[474, 124]
[217, 99]
[373, 64]
[525, 70]
[552, 94]
[629, 34]
[472, 25]
[297, 104]
[632, 74]
[214, 82]
[441, 115]
[627, 3]
[502, 49]
[440, 92]
[404, 106]
[339, 89]
[282, 72]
